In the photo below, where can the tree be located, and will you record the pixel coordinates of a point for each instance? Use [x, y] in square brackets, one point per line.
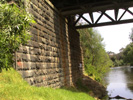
[117, 59]
[128, 54]
[128, 51]
[96, 59]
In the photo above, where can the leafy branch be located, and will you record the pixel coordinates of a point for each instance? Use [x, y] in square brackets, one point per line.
[14, 26]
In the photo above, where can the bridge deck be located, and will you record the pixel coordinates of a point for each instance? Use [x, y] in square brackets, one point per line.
[80, 7]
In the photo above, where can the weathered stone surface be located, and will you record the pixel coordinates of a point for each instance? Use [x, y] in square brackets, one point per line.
[37, 51]
[29, 65]
[25, 50]
[29, 73]
[26, 57]
[46, 60]
[20, 49]
[39, 65]
[35, 44]
[33, 58]
[33, 31]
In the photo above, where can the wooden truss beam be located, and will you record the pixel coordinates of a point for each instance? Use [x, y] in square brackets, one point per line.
[91, 16]
[97, 23]
[70, 8]
[116, 14]
[105, 24]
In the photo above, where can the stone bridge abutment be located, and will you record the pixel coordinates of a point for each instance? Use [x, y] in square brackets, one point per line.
[53, 55]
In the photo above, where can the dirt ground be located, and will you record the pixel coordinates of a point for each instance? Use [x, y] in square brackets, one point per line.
[97, 90]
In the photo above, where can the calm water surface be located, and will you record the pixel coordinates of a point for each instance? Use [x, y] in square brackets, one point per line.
[120, 82]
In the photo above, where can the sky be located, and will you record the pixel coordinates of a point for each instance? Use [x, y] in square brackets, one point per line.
[115, 36]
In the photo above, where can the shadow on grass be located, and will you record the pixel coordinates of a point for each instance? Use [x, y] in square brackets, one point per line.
[79, 87]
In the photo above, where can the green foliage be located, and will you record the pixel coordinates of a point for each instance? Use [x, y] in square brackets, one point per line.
[13, 87]
[125, 57]
[117, 59]
[80, 86]
[128, 54]
[96, 59]
[14, 23]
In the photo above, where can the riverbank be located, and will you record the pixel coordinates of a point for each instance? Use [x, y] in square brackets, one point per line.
[97, 89]
[13, 87]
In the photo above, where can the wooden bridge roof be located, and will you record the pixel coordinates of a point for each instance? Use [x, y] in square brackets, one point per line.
[80, 7]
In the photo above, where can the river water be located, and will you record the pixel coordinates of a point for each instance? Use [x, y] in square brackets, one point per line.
[120, 82]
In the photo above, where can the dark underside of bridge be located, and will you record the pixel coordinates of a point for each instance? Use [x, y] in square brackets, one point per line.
[77, 9]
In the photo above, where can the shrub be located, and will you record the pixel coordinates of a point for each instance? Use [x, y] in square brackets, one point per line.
[14, 25]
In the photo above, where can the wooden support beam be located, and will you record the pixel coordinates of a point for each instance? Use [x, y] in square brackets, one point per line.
[91, 16]
[108, 17]
[99, 17]
[86, 20]
[78, 19]
[116, 13]
[122, 15]
[100, 6]
[113, 21]
[130, 12]
[105, 24]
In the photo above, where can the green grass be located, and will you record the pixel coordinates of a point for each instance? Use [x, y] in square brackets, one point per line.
[13, 87]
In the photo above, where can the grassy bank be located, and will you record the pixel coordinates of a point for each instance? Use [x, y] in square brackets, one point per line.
[13, 87]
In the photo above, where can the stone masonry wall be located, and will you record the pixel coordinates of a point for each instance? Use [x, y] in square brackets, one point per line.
[51, 58]
[76, 55]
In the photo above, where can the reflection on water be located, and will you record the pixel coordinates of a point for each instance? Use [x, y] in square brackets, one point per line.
[120, 82]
